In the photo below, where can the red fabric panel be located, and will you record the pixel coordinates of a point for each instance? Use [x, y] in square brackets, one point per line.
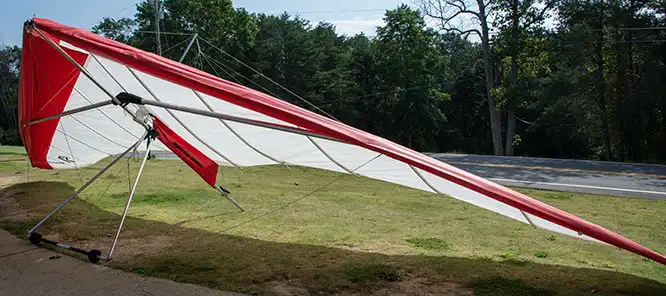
[47, 81]
[265, 104]
[199, 162]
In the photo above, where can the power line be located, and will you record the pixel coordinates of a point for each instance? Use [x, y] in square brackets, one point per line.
[110, 15]
[329, 11]
[165, 33]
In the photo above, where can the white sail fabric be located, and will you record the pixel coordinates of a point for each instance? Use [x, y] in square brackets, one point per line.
[293, 136]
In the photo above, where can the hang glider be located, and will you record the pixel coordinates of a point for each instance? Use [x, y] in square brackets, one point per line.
[84, 98]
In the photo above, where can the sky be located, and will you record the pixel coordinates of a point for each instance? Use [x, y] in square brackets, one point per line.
[349, 16]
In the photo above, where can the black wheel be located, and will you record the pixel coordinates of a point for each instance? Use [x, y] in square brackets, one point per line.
[35, 238]
[94, 256]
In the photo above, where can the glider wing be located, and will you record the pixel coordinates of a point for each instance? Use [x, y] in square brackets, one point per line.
[234, 125]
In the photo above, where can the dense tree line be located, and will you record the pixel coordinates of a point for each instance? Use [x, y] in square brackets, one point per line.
[504, 83]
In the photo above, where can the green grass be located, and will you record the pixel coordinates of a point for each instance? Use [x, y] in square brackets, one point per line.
[356, 236]
[12, 150]
[430, 243]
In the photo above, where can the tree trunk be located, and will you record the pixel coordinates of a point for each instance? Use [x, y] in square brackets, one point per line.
[495, 112]
[513, 77]
[510, 130]
[601, 90]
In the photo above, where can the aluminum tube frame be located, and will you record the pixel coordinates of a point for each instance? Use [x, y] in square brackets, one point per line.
[235, 119]
[187, 49]
[129, 200]
[70, 112]
[228, 196]
[84, 186]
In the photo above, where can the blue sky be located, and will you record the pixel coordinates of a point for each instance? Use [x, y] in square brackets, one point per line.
[366, 14]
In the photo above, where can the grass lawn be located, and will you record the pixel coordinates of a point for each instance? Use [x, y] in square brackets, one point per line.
[355, 237]
[12, 150]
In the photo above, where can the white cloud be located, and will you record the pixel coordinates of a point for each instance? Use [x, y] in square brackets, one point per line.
[357, 25]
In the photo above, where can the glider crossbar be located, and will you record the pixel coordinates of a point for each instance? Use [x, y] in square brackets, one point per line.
[132, 98]
[71, 112]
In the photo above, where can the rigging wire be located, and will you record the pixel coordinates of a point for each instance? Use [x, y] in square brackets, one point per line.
[343, 175]
[78, 172]
[241, 75]
[271, 80]
[375, 94]
[175, 45]
[217, 73]
[229, 127]
[93, 202]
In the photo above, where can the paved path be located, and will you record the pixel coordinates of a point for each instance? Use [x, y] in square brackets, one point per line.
[584, 176]
[28, 270]
[599, 177]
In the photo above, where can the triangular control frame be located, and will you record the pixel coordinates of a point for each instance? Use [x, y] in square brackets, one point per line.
[95, 255]
[142, 117]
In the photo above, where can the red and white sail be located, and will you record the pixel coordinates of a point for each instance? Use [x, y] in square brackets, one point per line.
[50, 84]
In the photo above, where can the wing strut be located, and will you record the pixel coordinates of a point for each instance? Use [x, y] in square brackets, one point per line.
[149, 140]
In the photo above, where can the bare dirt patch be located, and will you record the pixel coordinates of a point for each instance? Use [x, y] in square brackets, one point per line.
[421, 286]
[414, 286]
[9, 208]
[287, 288]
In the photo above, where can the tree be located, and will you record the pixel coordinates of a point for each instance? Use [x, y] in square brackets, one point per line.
[590, 88]
[410, 65]
[121, 30]
[516, 19]
[447, 12]
[10, 58]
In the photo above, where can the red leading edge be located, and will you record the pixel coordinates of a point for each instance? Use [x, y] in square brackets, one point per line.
[44, 89]
[251, 99]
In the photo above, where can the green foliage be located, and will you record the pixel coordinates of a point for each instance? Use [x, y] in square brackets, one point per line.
[10, 57]
[120, 30]
[585, 89]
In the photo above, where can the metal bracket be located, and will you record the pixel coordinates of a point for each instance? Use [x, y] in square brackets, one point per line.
[227, 194]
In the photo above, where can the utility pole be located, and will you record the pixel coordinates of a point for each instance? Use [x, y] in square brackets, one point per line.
[158, 15]
[157, 27]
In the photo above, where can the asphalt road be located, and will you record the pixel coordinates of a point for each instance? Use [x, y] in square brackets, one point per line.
[583, 176]
[599, 177]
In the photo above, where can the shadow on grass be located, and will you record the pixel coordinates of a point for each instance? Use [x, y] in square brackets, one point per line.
[230, 262]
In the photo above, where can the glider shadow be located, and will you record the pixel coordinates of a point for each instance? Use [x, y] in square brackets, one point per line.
[233, 262]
